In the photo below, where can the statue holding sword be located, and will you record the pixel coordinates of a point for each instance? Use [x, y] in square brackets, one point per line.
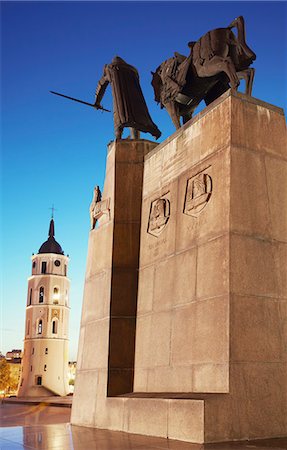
[130, 109]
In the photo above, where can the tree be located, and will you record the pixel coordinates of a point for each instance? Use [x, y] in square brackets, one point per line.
[4, 375]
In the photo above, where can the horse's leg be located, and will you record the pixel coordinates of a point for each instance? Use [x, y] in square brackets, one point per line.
[216, 65]
[186, 118]
[173, 111]
[187, 114]
[248, 76]
[239, 24]
[135, 134]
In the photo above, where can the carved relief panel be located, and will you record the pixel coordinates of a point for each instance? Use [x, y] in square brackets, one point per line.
[159, 215]
[198, 193]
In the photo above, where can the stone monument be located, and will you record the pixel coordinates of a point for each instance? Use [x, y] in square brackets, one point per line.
[184, 322]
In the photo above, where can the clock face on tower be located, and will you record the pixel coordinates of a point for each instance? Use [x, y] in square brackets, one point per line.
[57, 263]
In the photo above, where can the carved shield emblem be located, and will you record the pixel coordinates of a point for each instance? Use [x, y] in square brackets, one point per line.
[159, 216]
[198, 193]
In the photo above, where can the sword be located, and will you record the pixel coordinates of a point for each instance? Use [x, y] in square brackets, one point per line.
[81, 101]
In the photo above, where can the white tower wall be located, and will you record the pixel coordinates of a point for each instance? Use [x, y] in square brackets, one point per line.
[45, 356]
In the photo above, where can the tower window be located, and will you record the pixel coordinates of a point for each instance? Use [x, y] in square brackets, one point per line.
[28, 327]
[56, 296]
[34, 264]
[30, 297]
[31, 368]
[65, 270]
[55, 326]
[40, 326]
[39, 381]
[41, 295]
[45, 367]
[33, 351]
[44, 267]
[46, 351]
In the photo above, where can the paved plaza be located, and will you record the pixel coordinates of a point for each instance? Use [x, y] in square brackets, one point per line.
[47, 427]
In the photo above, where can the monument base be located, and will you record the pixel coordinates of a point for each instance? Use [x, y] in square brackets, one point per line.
[183, 331]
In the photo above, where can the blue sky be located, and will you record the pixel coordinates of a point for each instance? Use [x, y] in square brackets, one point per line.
[54, 150]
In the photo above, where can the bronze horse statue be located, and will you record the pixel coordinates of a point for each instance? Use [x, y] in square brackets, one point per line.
[216, 63]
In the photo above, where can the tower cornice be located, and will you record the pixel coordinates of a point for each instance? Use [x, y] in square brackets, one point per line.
[47, 275]
[49, 255]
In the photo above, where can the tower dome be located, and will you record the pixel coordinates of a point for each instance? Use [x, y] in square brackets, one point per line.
[51, 245]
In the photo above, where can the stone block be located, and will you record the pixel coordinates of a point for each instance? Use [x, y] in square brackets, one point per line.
[258, 126]
[153, 332]
[248, 194]
[261, 388]
[81, 347]
[85, 388]
[145, 290]
[110, 413]
[164, 286]
[97, 297]
[99, 250]
[200, 333]
[213, 268]
[281, 269]
[132, 151]
[256, 325]
[276, 173]
[283, 315]
[210, 377]
[146, 416]
[186, 420]
[185, 277]
[252, 262]
[170, 379]
[96, 345]
[140, 380]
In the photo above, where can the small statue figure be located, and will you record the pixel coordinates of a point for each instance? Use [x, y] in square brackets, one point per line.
[130, 109]
[217, 61]
[96, 199]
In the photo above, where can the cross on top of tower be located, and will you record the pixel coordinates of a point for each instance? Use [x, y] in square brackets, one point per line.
[52, 213]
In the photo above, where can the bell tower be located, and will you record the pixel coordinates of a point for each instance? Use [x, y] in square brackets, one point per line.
[45, 358]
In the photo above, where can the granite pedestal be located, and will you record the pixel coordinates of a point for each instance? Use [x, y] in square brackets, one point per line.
[184, 323]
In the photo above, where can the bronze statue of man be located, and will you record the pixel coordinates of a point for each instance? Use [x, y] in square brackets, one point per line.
[130, 109]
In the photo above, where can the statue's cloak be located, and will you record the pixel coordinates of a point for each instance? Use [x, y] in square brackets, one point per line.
[130, 109]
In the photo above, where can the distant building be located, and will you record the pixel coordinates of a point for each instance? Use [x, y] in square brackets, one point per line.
[45, 356]
[14, 356]
[72, 375]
